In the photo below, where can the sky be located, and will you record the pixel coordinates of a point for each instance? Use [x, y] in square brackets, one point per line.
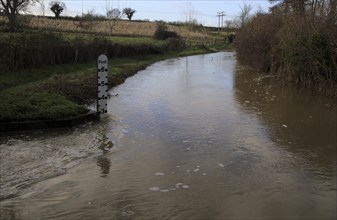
[204, 11]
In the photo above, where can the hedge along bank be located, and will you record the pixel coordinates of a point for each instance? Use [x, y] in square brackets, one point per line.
[35, 49]
[71, 86]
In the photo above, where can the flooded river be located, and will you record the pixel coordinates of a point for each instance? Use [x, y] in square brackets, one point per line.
[197, 137]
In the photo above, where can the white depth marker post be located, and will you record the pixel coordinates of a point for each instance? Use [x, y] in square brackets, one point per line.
[102, 79]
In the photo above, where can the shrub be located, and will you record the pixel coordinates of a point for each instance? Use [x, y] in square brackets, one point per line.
[301, 50]
[254, 43]
[162, 33]
[33, 50]
[308, 54]
[175, 44]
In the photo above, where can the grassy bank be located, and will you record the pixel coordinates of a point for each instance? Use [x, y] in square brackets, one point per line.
[60, 91]
[48, 70]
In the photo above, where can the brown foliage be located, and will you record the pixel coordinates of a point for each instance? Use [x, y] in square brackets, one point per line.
[255, 41]
[300, 49]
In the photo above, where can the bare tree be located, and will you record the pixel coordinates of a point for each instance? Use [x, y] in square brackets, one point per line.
[57, 7]
[313, 8]
[244, 17]
[90, 19]
[113, 15]
[43, 7]
[129, 12]
[190, 15]
[332, 14]
[229, 24]
[298, 6]
[12, 8]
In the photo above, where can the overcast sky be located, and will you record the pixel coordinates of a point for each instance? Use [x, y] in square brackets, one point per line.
[204, 11]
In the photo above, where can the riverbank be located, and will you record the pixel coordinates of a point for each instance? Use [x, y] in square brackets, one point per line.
[64, 91]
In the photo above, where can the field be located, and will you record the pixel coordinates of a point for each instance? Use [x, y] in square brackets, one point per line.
[122, 28]
[112, 28]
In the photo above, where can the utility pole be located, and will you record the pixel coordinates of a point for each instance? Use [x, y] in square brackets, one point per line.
[220, 14]
[219, 22]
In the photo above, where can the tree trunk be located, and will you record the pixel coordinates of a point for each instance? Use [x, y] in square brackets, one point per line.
[333, 12]
[12, 21]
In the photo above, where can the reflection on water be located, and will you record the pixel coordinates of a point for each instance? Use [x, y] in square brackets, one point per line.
[191, 138]
[104, 163]
[303, 124]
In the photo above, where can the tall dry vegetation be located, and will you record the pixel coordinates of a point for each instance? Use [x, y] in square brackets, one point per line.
[299, 46]
[102, 26]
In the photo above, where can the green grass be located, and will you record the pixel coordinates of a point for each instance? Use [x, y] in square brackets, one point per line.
[116, 39]
[26, 76]
[193, 50]
[137, 40]
[86, 36]
[61, 91]
[17, 106]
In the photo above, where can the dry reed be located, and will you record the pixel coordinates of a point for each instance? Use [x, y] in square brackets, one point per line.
[121, 28]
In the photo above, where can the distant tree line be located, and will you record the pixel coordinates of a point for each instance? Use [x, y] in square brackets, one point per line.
[12, 8]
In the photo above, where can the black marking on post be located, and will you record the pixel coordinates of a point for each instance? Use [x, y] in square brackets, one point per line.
[102, 84]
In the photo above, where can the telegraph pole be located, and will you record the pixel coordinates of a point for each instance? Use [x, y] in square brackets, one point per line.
[220, 14]
[219, 22]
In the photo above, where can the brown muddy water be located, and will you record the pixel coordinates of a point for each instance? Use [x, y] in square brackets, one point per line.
[198, 137]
